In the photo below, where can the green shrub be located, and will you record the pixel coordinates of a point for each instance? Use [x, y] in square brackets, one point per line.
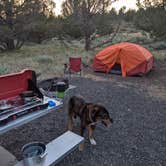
[3, 70]
[152, 20]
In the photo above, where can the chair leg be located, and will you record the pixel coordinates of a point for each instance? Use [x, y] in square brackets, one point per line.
[70, 73]
[65, 68]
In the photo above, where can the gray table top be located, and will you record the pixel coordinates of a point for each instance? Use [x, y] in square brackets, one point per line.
[59, 148]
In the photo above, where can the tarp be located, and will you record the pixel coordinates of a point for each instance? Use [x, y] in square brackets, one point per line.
[133, 58]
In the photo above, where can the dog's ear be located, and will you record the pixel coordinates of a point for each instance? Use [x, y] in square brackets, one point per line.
[96, 110]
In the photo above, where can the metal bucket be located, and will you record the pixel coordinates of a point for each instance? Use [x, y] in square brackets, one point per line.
[34, 154]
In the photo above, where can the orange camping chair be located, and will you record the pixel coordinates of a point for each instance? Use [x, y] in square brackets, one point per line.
[74, 65]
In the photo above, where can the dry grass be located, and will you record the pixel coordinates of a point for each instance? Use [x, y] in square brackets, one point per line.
[160, 55]
[47, 59]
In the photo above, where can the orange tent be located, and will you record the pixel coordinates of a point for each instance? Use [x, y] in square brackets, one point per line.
[132, 58]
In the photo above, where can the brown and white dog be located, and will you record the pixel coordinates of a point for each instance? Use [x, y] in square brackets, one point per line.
[90, 114]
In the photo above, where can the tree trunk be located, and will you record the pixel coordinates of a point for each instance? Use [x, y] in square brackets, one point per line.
[10, 44]
[87, 43]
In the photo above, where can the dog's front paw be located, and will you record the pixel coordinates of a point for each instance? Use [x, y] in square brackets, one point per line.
[93, 142]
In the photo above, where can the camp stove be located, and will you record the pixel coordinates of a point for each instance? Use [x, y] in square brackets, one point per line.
[21, 101]
[14, 108]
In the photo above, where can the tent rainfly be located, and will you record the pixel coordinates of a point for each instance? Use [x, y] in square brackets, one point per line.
[132, 59]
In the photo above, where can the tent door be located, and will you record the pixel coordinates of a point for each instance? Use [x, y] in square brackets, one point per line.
[116, 69]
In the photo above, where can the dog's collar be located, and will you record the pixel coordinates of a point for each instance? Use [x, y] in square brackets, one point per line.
[93, 123]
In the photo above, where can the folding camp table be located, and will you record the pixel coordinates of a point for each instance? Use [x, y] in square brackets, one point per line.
[59, 148]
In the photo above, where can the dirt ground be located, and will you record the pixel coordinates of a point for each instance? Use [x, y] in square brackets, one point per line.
[137, 136]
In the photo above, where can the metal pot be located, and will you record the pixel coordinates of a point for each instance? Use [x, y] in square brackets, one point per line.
[34, 154]
[61, 86]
